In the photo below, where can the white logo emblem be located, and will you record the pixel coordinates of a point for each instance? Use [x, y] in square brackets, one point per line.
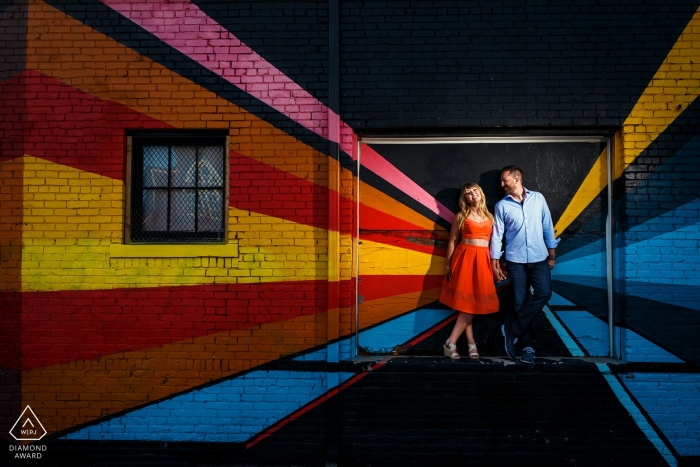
[28, 427]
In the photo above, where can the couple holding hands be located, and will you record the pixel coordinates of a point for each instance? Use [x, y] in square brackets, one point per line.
[473, 265]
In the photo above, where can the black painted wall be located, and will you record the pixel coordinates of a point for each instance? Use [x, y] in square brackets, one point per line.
[501, 63]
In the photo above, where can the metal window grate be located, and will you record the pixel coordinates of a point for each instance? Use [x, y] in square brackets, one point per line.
[178, 189]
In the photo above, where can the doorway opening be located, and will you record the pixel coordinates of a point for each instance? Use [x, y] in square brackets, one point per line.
[408, 190]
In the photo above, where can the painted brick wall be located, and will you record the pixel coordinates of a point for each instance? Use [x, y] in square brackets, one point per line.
[104, 340]
[145, 326]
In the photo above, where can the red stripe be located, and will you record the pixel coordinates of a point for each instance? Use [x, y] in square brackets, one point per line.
[311, 405]
[11, 331]
[374, 219]
[71, 127]
[261, 188]
[12, 117]
[59, 327]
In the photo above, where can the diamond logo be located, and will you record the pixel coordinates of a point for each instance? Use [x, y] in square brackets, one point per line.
[28, 427]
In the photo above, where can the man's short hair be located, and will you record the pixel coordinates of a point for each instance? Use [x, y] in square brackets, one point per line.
[514, 169]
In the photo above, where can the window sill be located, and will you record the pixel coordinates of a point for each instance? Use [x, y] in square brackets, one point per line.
[229, 250]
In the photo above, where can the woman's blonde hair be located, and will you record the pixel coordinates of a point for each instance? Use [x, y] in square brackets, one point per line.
[465, 209]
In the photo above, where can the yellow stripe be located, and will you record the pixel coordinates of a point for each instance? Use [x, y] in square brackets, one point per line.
[73, 219]
[591, 187]
[379, 259]
[673, 88]
[370, 196]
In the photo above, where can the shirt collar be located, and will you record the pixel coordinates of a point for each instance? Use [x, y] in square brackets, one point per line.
[526, 192]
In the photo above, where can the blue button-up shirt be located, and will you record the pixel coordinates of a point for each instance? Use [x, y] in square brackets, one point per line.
[528, 228]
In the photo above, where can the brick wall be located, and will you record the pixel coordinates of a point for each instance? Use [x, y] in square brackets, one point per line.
[99, 331]
[146, 326]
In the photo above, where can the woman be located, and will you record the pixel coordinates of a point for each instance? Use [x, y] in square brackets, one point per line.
[468, 286]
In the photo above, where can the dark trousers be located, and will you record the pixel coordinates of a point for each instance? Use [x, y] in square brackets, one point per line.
[528, 305]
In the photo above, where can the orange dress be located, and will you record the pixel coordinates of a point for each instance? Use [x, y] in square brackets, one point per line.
[471, 288]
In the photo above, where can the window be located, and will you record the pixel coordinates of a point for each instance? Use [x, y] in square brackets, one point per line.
[177, 188]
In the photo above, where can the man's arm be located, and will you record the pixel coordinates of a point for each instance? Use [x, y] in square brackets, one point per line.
[549, 235]
[550, 239]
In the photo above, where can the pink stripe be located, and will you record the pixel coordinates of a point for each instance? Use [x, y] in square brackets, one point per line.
[185, 27]
[333, 126]
[380, 166]
[204, 40]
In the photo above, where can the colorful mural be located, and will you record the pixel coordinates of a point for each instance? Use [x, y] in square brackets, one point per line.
[251, 345]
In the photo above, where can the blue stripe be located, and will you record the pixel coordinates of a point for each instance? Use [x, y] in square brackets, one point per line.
[232, 411]
[383, 338]
[558, 300]
[590, 331]
[673, 402]
[638, 349]
[563, 334]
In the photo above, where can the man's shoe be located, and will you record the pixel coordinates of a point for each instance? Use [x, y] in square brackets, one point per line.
[528, 355]
[510, 341]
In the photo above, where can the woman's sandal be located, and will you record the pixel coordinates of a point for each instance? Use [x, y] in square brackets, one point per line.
[473, 353]
[450, 350]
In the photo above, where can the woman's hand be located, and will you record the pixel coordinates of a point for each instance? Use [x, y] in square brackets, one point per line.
[498, 275]
[448, 274]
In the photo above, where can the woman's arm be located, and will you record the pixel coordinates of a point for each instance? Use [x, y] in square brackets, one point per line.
[496, 243]
[455, 237]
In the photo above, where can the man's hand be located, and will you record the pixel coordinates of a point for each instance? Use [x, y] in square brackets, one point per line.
[552, 258]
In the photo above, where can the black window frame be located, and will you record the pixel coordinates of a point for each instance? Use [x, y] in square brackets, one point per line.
[135, 233]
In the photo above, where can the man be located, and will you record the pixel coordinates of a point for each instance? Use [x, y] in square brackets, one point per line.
[524, 218]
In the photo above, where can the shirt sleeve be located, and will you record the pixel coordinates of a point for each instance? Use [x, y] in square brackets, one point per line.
[497, 233]
[550, 239]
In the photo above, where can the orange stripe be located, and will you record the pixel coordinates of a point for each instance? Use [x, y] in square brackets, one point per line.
[373, 198]
[422, 241]
[384, 286]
